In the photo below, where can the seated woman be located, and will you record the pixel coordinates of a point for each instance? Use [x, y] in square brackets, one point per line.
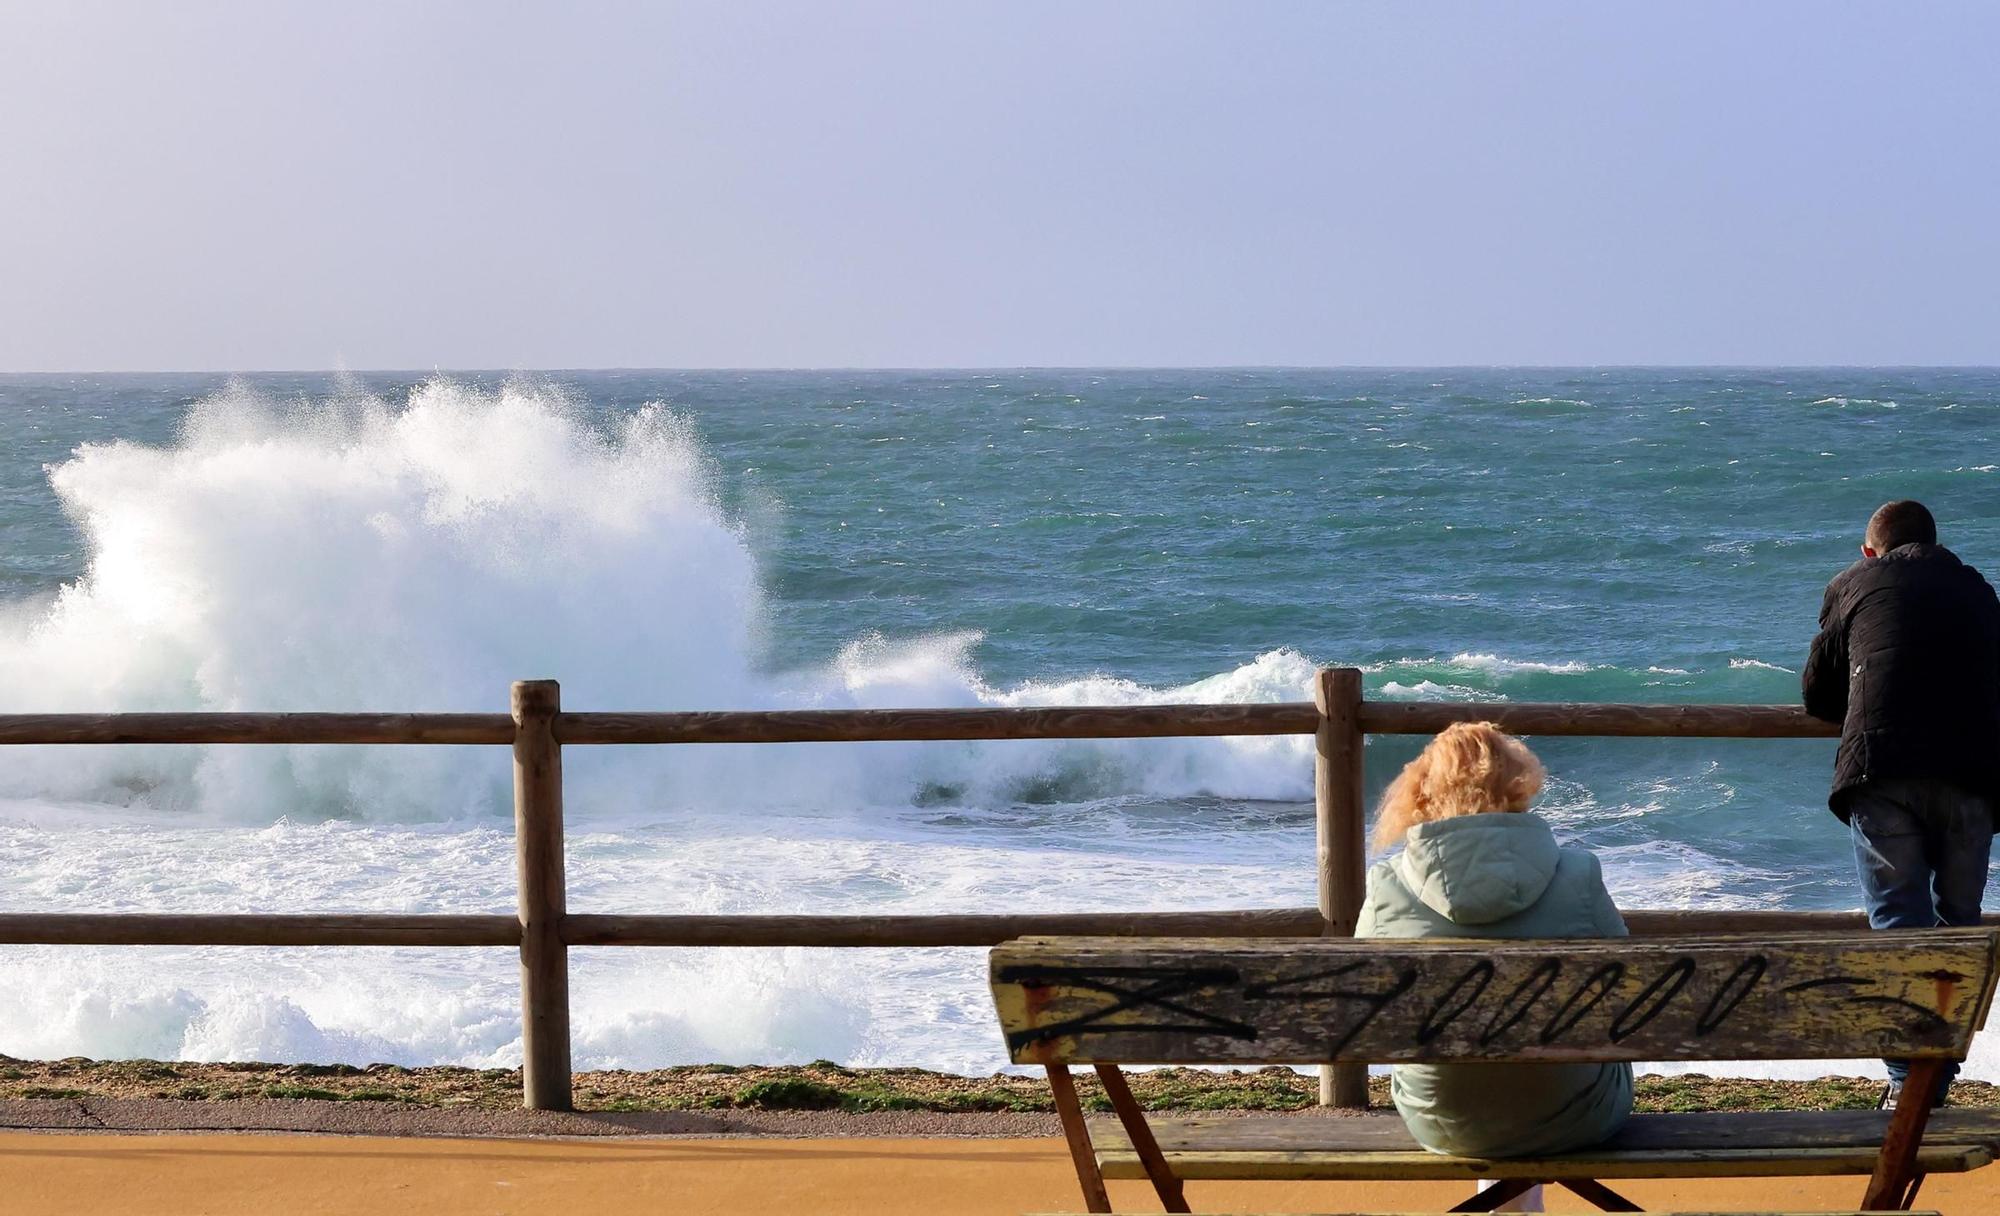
[1477, 863]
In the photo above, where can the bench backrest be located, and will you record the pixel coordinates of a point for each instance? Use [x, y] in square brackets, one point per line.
[1322, 1000]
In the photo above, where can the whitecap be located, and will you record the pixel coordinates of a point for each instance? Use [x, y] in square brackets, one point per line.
[1431, 690]
[1498, 666]
[1759, 665]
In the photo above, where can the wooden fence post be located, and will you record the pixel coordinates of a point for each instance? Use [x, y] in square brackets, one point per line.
[1343, 848]
[538, 857]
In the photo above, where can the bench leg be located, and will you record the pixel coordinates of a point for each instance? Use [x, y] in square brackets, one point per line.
[1140, 1133]
[1896, 1180]
[1606, 1199]
[1081, 1154]
[1495, 1195]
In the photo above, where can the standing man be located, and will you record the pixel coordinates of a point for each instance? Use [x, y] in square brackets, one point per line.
[1908, 662]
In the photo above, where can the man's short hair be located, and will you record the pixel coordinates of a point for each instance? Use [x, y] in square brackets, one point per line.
[1899, 523]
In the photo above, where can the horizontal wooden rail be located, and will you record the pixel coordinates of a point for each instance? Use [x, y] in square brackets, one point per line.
[913, 725]
[1676, 922]
[256, 728]
[1614, 721]
[173, 929]
[582, 929]
[909, 725]
[837, 931]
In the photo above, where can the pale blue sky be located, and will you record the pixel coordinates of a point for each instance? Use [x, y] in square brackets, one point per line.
[277, 185]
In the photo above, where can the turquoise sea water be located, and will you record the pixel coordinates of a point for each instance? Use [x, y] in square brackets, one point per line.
[810, 538]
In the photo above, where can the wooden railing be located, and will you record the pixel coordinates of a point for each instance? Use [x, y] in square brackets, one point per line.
[543, 929]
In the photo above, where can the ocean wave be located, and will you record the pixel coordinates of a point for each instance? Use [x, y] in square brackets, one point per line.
[363, 555]
[1481, 675]
[1759, 665]
[1493, 664]
[1470, 664]
[1431, 690]
[1674, 874]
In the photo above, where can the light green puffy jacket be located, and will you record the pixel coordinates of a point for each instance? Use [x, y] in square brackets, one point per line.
[1498, 875]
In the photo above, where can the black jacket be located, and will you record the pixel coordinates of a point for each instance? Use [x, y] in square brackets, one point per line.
[1908, 662]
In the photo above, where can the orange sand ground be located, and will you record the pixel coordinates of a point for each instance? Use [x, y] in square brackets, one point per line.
[265, 1175]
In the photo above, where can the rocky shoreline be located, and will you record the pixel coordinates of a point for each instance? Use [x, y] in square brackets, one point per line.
[821, 1086]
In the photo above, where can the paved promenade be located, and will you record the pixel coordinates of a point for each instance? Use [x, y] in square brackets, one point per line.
[263, 1174]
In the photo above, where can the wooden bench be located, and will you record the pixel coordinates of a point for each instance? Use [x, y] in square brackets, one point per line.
[1216, 1001]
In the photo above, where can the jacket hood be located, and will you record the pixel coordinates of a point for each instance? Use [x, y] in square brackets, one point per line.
[1477, 869]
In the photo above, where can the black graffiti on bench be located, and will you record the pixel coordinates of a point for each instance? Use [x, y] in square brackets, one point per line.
[1444, 1011]
[1375, 1002]
[1664, 988]
[1930, 1021]
[1545, 974]
[1730, 995]
[1375, 989]
[1604, 979]
[1157, 992]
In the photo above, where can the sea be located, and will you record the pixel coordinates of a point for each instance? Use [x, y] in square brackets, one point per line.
[718, 540]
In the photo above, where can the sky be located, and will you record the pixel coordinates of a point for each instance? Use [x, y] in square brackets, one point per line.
[273, 185]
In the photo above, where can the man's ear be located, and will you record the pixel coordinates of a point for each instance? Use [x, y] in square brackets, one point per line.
[1867, 552]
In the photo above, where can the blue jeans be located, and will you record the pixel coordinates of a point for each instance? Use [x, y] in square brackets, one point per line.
[1922, 848]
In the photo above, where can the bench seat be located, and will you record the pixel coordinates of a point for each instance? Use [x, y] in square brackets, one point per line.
[1694, 1145]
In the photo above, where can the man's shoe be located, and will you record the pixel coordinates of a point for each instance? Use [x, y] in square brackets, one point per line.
[1892, 1092]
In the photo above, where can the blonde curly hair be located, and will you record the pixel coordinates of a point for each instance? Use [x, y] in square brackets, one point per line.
[1472, 767]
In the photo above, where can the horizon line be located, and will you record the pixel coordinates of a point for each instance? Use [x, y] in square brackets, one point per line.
[970, 369]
